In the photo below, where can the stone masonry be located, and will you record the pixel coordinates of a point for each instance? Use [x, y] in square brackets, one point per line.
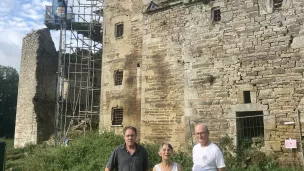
[191, 68]
[128, 59]
[37, 88]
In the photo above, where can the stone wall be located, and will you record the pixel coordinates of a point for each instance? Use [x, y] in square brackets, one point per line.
[37, 88]
[124, 54]
[195, 69]
[163, 78]
[212, 63]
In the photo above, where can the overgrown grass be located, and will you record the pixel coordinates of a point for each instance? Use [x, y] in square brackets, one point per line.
[84, 153]
[91, 153]
[88, 153]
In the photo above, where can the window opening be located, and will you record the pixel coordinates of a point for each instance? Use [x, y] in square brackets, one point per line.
[117, 116]
[246, 96]
[216, 14]
[118, 76]
[250, 129]
[119, 29]
[277, 5]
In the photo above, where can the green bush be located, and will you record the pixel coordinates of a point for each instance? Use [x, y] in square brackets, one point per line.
[91, 153]
[84, 153]
[245, 157]
[249, 158]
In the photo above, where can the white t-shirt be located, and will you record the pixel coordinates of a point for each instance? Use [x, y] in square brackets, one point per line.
[173, 169]
[207, 158]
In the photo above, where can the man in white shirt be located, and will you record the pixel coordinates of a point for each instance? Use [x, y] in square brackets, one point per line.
[206, 155]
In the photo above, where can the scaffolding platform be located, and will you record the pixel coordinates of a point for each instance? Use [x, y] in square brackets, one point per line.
[91, 30]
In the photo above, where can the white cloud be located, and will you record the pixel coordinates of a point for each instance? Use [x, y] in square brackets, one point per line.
[6, 5]
[18, 18]
[36, 25]
[32, 14]
[25, 7]
[12, 37]
[17, 24]
[9, 52]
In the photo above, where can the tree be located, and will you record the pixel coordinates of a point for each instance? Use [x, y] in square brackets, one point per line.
[8, 100]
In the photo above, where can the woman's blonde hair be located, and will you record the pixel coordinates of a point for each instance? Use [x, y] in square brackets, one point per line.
[169, 146]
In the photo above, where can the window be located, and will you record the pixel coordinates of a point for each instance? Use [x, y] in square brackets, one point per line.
[277, 5]
[119, 29]
[216, 14]
[117, 116]
[246, 95]
[118, 76]
[250, 127]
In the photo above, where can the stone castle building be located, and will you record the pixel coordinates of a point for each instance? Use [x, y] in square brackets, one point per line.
[236, 65]
[170, 63]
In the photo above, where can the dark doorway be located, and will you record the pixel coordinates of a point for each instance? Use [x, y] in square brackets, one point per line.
[250, 126]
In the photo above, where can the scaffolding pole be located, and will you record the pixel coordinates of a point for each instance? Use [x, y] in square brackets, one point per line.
[79, 65]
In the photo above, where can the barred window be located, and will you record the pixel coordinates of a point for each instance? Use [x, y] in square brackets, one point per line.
[119, 29]
[216, 14]
[117, 116]
[250, 128]
[118, 76]
[277, 5]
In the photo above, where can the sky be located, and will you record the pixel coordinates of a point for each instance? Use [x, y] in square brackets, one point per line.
[18, 18]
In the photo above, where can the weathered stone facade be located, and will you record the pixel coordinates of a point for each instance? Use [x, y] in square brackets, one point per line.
[193, 68]
[37, 89]
[128, 59]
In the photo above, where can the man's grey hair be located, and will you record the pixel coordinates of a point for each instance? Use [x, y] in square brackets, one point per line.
[204, 125]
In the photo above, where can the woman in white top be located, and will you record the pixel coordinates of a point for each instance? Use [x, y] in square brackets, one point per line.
[166, 152]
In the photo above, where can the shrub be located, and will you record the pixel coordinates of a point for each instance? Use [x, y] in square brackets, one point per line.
[93, 151]
[249, 158]
[84, 153]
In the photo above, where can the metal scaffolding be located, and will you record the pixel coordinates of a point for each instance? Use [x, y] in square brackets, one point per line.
[79, 64]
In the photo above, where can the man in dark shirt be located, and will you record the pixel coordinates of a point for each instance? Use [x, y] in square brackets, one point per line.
[129, 156]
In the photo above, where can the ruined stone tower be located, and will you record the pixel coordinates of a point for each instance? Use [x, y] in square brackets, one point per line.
[37, 88]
